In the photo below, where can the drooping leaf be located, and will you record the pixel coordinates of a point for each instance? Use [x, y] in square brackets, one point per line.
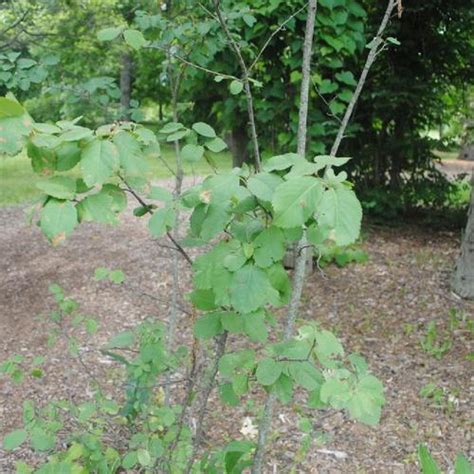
[268, 371]
[236, 87]
[250, 289]
[134, 38]
[204, 129]
[269, 247]
[109, 34]
[58, 219]
[97, 207]
[428, 464]
[295, 201]
[216, 145]
[341, 210]
[263, 185]
[99, 159]
[60, 187]
[161, 221]
[281, 162]
[132, 160]
[208, 326]
[192, 153]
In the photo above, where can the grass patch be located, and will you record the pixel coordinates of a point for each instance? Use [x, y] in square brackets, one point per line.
[18, 180]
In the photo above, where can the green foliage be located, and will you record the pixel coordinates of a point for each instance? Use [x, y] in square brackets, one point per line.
[429, 465]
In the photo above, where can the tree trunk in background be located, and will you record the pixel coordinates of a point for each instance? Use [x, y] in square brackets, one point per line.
[126, 78]
[463, 279]
[467, 152]
[238, 145]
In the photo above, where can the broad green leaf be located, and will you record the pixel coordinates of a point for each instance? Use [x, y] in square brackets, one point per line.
[121, 340]
[10, 108]
[98, 208]
[283, 388]
[220, 187]
[295, 201]
[14, 439]
[242, 360]
[281, 162]
[192, 153]
[240, 384]
[68, 155]
[130, 460]
[171, 127]
[335, 392]
[203, 299]
[46, 128]
[327, 344]
[160, 194]
[144, 457]
[428, 464]
[118, 196]
[60, 187]
[41, 440]
[204, 129]
[327, 160]
[232, 322]
[341, 210]
[109, 34]
[208, 326]
[346, 77]
[306, 375]
[216, 145]
[13, 133]
[99, 160]
[177, 135]
[228, 395]
[132, 160]
[58, 219]
[263, 185]
[268, 371]
[269, 247]
[161, 221]
[255, 327]
[134, 38]
[250, 289]
[76, 133]
[236, 87]
[367, 399]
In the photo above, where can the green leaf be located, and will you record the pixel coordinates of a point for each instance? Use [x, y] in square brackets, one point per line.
[160, 194]
[326, 160]
[97, 208]
[428, 464]
[131, 157]
[118, 196]
[203, 299]
[13, 132]
[240, 360]
[367, 400]
[227, 394]
[341, 210]
[14, 439]
[171, 127]
[161, 221]
[346, 77]
[250, 289]
[216, 145]
[236, 87]
[192, 153]
[177, 135]
[306, 375]
[41, 440]
[60, 187]
[268, 371]
[254, 326]
[208, 326]
[295, 201]
[68, 155]
[122, 340]
[109, 34]
[58, 220]
[281, 162]
[10, 108]
[327, 344]
[232, 322]
[263, 185]
[204, 129]
[144, 457]
[283, 388]
[130, 460]
[269, 247]
[134, 38]
[76, 133]
[99, 160]
[462, 465]
[117, 276]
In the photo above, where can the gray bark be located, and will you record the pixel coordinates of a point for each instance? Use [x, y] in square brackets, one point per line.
[463, 278]
[467, 152]
[238, 145]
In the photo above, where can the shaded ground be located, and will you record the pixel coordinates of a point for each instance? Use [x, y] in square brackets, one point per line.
[380, 309]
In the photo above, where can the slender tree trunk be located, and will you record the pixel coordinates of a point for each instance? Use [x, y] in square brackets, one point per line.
[126, 80]
[463, 278]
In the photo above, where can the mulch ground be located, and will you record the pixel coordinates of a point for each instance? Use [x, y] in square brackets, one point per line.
[380, 309]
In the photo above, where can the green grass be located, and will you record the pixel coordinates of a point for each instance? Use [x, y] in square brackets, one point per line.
[18, 180]
[446, 155]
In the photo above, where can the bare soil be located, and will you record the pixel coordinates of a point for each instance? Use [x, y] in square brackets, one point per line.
[380, 309]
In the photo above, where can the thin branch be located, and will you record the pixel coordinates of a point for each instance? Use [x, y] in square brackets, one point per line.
[220, 350]
[265, 46]
[374, 49]
[246, 81]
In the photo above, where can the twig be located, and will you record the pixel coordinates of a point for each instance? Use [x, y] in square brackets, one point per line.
[220, 349]
[363, 77]
[301, 258]
[246, 81]
[265, 46]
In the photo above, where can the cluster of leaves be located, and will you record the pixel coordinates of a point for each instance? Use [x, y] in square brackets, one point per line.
[237, 283]
[429, 465]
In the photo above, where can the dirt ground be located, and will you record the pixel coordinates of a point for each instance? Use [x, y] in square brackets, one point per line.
[380, 309]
